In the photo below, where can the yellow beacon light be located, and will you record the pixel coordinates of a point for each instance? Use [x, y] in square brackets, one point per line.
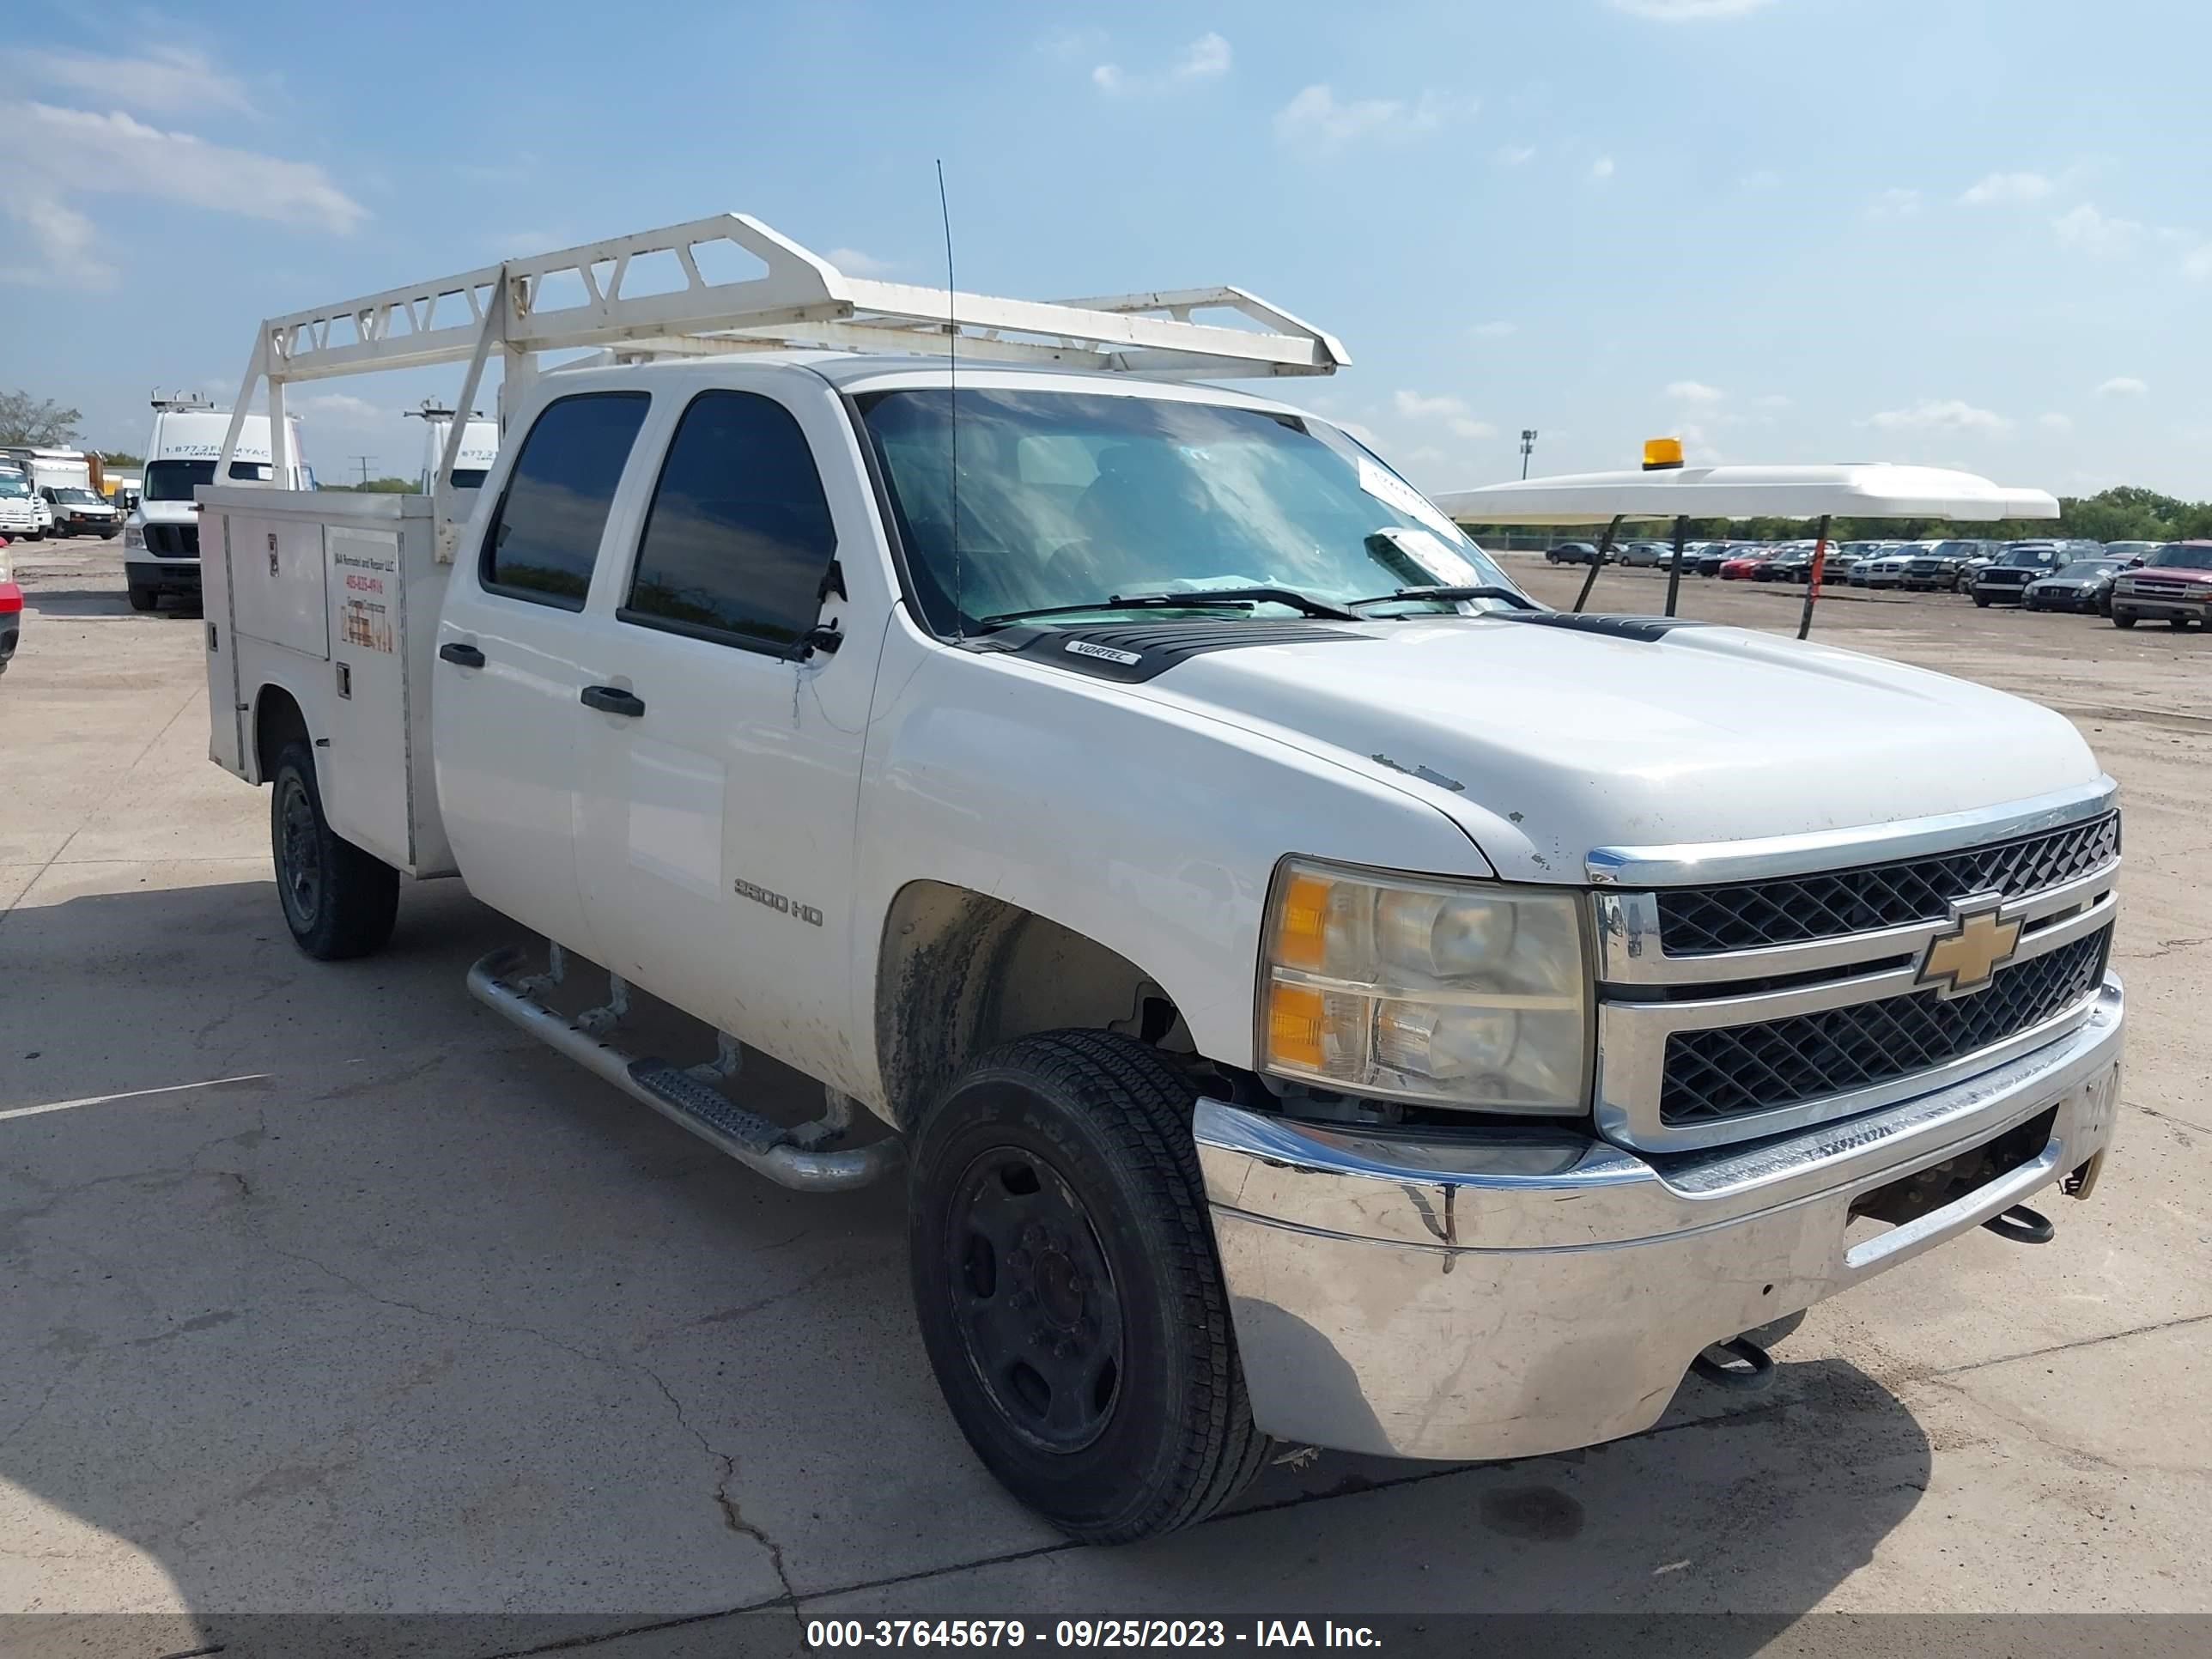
[1660, 454]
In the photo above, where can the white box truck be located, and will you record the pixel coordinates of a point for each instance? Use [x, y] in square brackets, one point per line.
[162, 535]
[1130, 799]
[65, 480]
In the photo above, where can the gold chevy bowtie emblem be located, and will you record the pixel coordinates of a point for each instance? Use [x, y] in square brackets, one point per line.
[1963, 960]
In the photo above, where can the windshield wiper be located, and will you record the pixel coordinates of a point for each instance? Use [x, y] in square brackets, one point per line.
[1450, 595]
[1223, 598]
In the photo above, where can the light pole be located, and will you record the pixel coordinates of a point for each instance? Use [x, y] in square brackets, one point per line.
[1528, 443]
[362, 461]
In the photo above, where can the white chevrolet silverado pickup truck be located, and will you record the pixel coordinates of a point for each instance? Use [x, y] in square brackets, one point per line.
[1314, 994]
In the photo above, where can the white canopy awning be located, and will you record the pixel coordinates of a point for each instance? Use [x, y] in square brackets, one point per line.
[1862, 490]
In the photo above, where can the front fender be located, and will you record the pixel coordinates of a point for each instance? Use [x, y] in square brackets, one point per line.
[1151, 829]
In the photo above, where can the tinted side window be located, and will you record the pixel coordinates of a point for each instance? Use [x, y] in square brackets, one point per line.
[739, 535]
[546, 536]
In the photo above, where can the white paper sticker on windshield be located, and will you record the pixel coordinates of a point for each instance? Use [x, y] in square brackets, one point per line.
[1385, 485]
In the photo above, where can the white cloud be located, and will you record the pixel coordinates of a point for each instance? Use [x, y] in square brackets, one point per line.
[1316, 117]
[2054, 421]
[1493, 331]
[1417, 406]
[1894, 203]
[1067, 43]
[2005, 189]
[1601, 169]
[2123, 386]
[1206, 58]
[1452, 411]
[62, 238]
[56, 153]
[1687, 11]
[167, 80]
[1694, 391]
[1515, 155]
[2094, 232]
[852, 261]
[1940, 415]
[2198, 263]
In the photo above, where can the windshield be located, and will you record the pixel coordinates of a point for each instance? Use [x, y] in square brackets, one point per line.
[2088, 569]
[14, 487]
[2032, 558]
[175, 481]
[1069, 498]
[2190, 555]
[74, 497]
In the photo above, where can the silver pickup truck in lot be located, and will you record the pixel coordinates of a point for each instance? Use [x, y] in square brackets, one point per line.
[1314, 993]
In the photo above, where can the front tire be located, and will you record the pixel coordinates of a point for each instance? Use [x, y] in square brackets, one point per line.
[1068, 1291]
[2124, 619]
[1983, 600]
[144, 598]
[339, 901]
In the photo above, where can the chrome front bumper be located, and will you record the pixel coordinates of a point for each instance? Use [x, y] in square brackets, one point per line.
[1511, 1294]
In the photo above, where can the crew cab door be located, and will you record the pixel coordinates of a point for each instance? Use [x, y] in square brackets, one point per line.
[504, 710]
[720, 769]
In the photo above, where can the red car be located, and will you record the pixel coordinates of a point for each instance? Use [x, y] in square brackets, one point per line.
[11, 611]
[1744, 567]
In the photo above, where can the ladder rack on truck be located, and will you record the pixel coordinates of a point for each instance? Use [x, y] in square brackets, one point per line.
[799, 299]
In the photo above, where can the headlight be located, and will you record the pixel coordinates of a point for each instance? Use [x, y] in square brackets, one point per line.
[1462, 994]
[134, 536]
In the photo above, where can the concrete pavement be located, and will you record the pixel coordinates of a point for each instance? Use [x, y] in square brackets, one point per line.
[325, 1291]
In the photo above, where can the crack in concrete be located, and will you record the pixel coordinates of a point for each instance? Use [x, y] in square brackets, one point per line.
[733, 1515]
[2166, 947]
[1941, 1373]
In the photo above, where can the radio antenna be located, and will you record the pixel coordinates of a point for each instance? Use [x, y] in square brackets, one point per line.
[952, 399]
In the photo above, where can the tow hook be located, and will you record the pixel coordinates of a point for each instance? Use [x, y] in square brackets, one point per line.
[2022, 1225]
[1754, 1371]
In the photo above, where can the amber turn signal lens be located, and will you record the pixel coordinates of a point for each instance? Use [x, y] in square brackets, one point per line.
[1303, 923]
[1294, 1023]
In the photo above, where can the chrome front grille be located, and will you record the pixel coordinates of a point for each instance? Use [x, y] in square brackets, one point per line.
[1715, 1075]
[1705, 921]
[1752, 989]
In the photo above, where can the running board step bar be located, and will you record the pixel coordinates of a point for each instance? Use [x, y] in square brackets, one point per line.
[780, 1154]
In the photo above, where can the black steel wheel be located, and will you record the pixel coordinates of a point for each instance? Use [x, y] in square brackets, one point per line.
[339, 900]
[1034, 1297]
[1068, 1291]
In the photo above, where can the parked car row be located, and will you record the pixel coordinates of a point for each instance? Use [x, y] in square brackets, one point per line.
[2125, 581]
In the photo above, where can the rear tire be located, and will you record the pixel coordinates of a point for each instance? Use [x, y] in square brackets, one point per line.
[144, 598]
[338, 900]
[1068, 1291]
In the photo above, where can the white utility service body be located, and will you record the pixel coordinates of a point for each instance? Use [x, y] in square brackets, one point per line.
[1437, 937]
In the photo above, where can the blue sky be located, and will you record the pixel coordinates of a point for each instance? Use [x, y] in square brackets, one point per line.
[1972, 232]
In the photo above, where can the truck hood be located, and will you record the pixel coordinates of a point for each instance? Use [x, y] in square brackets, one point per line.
[1542, 743]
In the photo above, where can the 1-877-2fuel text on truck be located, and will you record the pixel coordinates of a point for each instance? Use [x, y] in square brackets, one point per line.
[1289, 1028]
